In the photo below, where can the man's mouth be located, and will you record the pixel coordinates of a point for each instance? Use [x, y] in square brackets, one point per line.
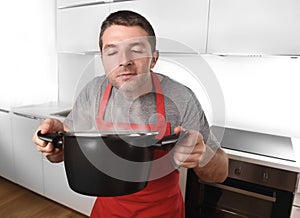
[126, 74]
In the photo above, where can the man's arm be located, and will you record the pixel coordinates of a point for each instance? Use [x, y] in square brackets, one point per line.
[53, 154]
[191, 152]
[216, 170]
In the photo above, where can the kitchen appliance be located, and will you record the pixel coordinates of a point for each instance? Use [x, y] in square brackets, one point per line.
[279, 147]
[251, 190]
[109, 163]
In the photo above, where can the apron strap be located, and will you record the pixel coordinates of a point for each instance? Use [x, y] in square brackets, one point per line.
[160, 109]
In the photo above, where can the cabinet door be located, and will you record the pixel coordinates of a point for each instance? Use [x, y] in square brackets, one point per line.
[78, 28]
[28, 161]
[57, 188]
[7, 169]
[295, 212]
[254, 27]
[181, 26]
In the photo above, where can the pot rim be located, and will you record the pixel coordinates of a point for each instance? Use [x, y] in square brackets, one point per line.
[109, 133]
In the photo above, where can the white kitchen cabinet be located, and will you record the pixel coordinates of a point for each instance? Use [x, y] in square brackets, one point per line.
[297, 199]
[57, 188]
[7, 167]
[181, 26]
[296, 203]
[28, 161]
[295, 212]
[254, 27]
[78, 28]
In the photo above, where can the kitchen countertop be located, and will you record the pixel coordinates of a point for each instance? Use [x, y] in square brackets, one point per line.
[4, 110]
[269, 161]
[46, 110]
[42, 111]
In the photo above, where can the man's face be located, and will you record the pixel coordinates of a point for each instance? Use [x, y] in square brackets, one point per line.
[127, 57]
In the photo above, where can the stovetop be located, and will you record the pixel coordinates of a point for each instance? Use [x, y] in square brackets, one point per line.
[279, 147]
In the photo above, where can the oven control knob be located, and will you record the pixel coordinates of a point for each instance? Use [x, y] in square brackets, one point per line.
[238, 171]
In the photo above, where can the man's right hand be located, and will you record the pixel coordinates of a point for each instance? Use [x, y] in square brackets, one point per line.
[49, 126]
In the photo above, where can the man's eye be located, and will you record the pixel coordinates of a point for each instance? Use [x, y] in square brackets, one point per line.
[110, 52]
[137, 50]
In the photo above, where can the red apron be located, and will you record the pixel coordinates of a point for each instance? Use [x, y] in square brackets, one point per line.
[161, 197]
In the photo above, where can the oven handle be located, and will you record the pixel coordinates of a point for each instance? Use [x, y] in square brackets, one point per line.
[244, 192]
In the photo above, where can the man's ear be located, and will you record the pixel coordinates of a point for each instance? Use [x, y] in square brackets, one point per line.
[154, 58]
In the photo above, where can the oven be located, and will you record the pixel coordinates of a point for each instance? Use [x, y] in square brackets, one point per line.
[249, 191]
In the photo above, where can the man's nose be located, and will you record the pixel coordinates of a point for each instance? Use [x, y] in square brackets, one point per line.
[125, 58]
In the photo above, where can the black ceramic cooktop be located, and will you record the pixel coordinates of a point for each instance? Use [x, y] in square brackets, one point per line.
[256, 143]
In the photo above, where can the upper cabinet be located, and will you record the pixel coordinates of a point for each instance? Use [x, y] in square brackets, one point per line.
[78, 28]
[180, 26]
[254, 27]
[189, 27]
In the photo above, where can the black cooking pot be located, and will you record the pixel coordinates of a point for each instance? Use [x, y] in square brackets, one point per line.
[108, 163]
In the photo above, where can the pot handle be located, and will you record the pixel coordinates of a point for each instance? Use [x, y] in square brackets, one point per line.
[54, 138]
[169, 141]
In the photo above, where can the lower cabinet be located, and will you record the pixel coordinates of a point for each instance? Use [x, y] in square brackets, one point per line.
[27, 161]
[296, 203]
[57, 188]
[31, 168]
[295, 212]
[7, 168]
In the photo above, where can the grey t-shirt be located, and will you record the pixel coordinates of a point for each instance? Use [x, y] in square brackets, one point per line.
[181, 106]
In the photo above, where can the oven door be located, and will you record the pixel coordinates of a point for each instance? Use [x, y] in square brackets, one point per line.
[236, 198]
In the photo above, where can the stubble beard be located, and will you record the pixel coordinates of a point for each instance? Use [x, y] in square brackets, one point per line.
[136, 86]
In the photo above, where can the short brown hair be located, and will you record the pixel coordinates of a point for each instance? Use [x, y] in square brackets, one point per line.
[128, 18]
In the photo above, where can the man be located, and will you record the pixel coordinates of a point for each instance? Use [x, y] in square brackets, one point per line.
[133, 97]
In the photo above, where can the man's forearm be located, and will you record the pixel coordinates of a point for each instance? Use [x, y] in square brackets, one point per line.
[216, 170]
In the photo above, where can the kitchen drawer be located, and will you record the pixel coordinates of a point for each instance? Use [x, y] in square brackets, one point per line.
[78, 28]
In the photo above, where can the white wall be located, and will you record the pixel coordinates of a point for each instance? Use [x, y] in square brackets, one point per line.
[261, 93]
[75, 71]
[194, 72]
[28, 67]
